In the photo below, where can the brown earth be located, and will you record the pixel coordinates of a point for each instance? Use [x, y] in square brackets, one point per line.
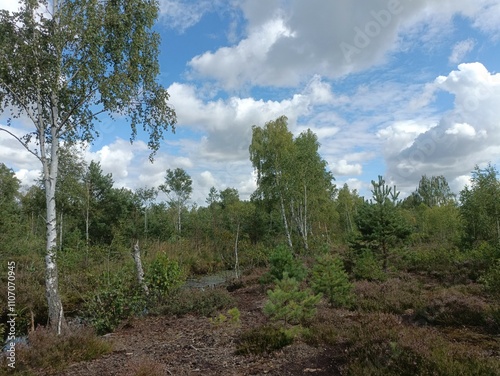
[193, 345]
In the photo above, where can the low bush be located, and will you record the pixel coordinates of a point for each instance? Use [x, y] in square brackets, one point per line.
[49, 353]
[114, 301]
[263, 339]
[450, 307]
[395, 295]
[202, 302]
[491, 279]
[163, 277]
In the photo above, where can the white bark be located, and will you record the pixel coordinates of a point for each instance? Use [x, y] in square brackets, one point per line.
[138, 265]
[236, 262]
[285, 222]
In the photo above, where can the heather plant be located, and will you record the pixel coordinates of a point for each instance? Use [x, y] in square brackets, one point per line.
[330, 279]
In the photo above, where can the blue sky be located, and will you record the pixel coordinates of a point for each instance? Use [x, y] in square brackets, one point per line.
[398, 88]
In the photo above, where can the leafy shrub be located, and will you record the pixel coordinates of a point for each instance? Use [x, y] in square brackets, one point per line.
[263, 339]
[282, 261]
[289, 304]
[114, 302]
[491, 279]
[330, 278]
[163, 276]
[368, 267]
[205, 303]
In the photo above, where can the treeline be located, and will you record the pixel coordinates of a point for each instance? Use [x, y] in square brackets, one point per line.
[296, 204]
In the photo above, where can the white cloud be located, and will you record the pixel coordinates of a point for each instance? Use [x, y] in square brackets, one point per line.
[181, 15]
[467, 135]
[460, 50]
[342, 167]
[288, 42]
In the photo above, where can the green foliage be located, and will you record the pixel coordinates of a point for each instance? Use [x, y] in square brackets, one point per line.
[233, 315]
[163, 276]
[480, 207]
[491, 279]
[330, 279]
[380, 222]
[288, 303]
[113, 302]
[264, 339]
[282, 261]
[367, 266]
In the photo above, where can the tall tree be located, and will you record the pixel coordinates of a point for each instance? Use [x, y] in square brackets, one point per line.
[434, 191]
[178, 187]
[63, 67]
[292, 175]
[270, 154]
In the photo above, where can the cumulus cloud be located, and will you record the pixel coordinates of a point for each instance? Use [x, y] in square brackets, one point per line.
[227, 124]
[287, 42]
[467, 135]
[342, 167]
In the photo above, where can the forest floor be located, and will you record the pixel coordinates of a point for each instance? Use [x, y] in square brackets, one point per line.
[193, 345]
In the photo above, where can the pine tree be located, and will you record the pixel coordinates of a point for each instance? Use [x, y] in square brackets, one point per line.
[330, 278]
[289, 304]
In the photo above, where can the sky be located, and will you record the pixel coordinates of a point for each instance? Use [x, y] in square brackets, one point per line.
[399, 88]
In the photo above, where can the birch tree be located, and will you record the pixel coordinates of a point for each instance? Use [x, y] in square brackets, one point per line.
[292, 175]
[64, 64]
[178, 187]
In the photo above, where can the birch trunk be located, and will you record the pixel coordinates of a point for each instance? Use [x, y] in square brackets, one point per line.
[138, 265]
[285, 222]
[56, 312]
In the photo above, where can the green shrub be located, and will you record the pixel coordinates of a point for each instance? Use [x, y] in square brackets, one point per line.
[281, 260]
[330, 278]
[289, 304]
[368, 267]
[263, 339]
[491, 279]
[115, 301]
[163, 276]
